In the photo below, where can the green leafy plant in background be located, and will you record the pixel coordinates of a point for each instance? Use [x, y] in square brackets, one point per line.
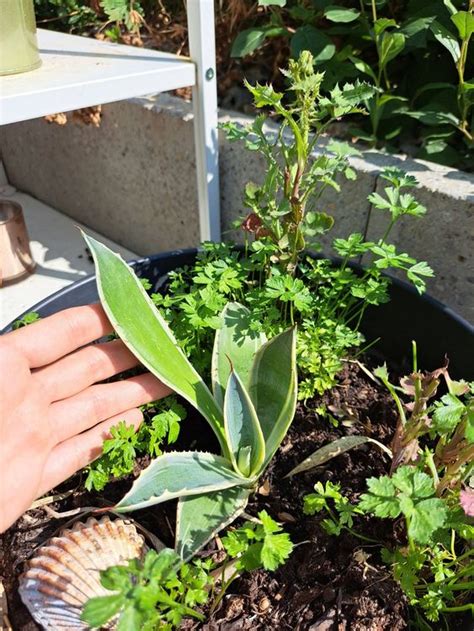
[415, 53]
[154, 593]
[286, 213]
[250, 410]
[80, 15]
[388, 41]
[126, 12]
[70, 15]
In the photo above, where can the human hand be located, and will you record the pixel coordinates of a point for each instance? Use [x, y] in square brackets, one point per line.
[54, 416]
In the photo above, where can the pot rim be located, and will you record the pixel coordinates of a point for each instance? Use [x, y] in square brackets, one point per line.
[427, 298]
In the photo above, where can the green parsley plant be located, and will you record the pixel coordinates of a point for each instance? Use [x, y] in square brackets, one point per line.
[120, 451]
[328, 497]
[274, 277]
[260, 544]
[28, 318]
[157, 592]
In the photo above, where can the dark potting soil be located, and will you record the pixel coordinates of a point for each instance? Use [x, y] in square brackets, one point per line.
[328, 583]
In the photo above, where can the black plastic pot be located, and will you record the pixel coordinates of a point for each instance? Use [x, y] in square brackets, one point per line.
[438, 330]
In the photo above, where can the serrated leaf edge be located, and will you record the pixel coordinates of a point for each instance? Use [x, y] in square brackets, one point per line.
[217, 422]
[166, 496]
[291, 396]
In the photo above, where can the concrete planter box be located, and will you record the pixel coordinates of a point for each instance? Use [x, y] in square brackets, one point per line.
[133, 179]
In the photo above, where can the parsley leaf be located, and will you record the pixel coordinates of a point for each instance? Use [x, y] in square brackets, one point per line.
[257, 545]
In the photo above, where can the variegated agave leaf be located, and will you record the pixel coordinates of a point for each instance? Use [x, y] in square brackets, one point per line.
[258, 404]
[201, 517]
[179, 474]
[334, 449]
[235, 345]
[273, 389]
[144, 331]
[242, 429]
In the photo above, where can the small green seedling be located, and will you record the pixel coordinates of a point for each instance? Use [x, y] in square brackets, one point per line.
[260, 544]
[410, 493]
[329, 498]
[250, 410]
[257, 544]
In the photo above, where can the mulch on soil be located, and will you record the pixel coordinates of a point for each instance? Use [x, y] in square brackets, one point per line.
[328, 582]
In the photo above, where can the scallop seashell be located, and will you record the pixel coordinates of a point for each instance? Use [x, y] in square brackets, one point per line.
[65, 572]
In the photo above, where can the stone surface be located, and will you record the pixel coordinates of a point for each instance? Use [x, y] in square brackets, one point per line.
[133, 178]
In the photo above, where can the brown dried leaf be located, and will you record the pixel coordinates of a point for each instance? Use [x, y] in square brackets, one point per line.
[265, 488]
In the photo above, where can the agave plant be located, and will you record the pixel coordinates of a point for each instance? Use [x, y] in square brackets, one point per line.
[250, 409]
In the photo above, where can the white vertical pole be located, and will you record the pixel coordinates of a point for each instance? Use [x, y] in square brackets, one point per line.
[203, 53]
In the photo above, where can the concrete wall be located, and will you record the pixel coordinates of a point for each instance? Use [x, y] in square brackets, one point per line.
[133, 179]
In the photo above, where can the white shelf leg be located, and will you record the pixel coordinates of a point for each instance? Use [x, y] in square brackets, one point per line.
[203, 52]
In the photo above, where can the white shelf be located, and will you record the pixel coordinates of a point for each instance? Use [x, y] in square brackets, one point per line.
[80, 72]
[58, 250]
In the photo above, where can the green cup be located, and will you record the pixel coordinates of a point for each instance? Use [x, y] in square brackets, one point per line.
[18, 44]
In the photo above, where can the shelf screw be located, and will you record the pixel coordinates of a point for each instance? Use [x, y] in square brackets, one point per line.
[209, 74]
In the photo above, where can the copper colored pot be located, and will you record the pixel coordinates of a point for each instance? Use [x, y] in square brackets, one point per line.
[15, 254]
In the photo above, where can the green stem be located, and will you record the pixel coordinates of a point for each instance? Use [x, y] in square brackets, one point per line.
[415, 355]
[459, 608]
[463, 556]
[432, 467]
[362, 537]
[463, 102]
[411, 543]
[462, 586]
[455, 587]
[387, 232]
[221, 595]
[397, 400]
[374, 11]
[453, 544]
